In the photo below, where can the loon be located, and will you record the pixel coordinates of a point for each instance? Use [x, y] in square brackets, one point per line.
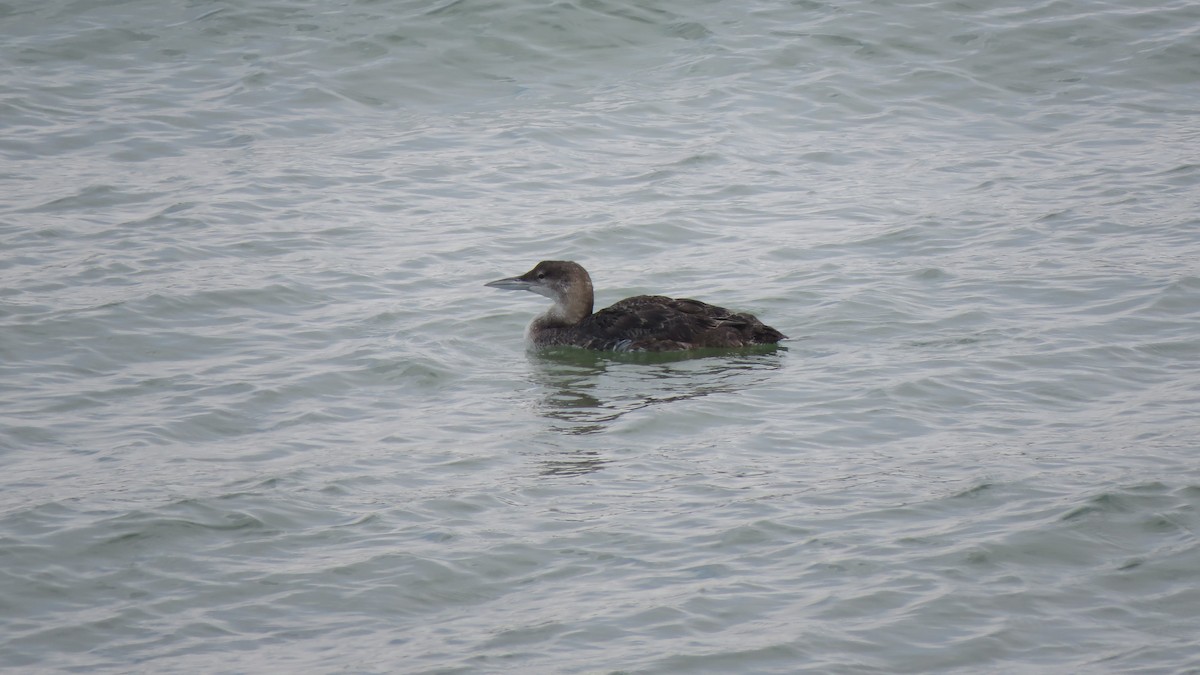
[644, 323]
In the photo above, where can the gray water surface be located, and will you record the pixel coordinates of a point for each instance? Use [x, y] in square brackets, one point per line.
[259, 414]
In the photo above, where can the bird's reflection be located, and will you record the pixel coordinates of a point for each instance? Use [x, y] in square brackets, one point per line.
[573, 464]
[586, 392]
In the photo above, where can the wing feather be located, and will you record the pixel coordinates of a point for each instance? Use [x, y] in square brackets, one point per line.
[659, 323]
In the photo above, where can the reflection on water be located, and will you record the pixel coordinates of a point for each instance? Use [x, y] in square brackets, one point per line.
[573, 464]
[586, 391]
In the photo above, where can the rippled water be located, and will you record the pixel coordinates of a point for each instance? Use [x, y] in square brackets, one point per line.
[258, 413]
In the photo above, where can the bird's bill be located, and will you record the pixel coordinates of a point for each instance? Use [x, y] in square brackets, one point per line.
[511, 284]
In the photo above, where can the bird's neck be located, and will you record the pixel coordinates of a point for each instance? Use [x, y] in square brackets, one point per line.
[569, 308]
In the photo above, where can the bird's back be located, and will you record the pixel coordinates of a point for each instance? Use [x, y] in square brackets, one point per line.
[656, 323]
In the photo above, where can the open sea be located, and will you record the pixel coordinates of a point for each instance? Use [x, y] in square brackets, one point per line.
[258, 413]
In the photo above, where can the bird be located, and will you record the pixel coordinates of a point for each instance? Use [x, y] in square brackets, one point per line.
[643, 323]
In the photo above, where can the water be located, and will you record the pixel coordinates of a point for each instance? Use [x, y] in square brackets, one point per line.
[258, 413]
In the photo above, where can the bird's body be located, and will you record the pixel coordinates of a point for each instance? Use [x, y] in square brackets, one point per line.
[651, 323]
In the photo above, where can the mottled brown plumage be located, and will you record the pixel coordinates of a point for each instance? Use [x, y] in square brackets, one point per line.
[651, 323]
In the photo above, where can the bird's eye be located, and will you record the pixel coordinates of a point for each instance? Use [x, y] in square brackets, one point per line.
[541, 275]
